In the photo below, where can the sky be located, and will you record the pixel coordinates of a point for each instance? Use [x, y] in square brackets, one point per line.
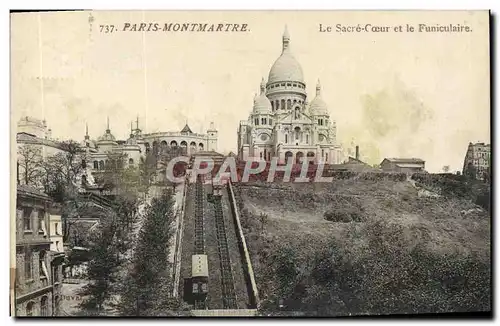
[395, 94]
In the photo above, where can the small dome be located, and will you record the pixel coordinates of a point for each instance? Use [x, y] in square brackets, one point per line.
[261, 103]
[108, 136]
[286, 67]
[318, 106]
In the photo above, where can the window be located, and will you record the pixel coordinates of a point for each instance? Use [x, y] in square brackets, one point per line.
[27, 218]
[262, 121]
[288, 104]
[286, 139]
[56, 227]
[326, 157]
[84, 164]
[131, 162]
[96, 165]
[29, 308]
[44, 306]
[271, 122]
[42, 266]
[101, 165]
[261, 155]
[307, 138]
[41, 222]
[57, 246]
[28, 268]
[256, 121]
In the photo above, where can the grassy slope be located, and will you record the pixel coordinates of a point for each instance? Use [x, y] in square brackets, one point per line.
[406, 253]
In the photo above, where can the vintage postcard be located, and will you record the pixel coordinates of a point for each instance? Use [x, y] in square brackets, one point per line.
[250, 163]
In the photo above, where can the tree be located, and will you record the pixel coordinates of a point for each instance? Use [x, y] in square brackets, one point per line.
[30, 160]
[146, 288]
[102, 268]
[446, 168]
[147, 171]
[61, 173]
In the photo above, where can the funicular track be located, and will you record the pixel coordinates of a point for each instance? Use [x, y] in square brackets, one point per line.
[227, 280]
[199, 231]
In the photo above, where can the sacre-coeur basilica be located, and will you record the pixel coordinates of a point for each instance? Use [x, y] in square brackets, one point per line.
[283, 123]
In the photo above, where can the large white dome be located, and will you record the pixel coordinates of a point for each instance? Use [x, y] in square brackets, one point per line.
[286, 67]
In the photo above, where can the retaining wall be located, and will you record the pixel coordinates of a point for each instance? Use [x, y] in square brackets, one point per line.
[254, 295]
[176, 268]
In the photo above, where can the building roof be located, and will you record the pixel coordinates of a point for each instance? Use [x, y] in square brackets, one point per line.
[353, 160]
[404, 160]
[408, 165]
[186, 129]
[30, 191]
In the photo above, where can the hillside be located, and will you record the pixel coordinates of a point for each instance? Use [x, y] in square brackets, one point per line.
[366, 247]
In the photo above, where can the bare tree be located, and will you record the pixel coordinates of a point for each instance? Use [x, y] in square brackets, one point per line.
[29, 163]
[61, 173]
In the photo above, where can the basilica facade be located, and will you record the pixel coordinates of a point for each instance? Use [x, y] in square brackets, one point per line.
[283, 123]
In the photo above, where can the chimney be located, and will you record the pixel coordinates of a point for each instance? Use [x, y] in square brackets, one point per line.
[357, 152]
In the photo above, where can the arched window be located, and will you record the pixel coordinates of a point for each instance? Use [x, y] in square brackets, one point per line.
[277, 105]
[42, 266]
[272, 105]
[28, 266]
[200, 146]
[282, 104]
[131, 162]
[56, 227]
[96, 165]
[288, 104]
[29, 308]
[173, 143]
[84, 180]
[44, 306]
